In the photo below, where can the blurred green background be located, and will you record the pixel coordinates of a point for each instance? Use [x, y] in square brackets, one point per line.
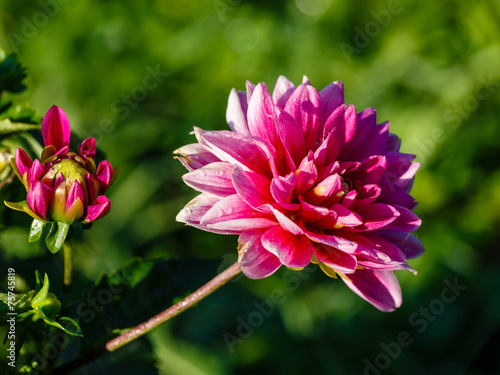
[138, 76]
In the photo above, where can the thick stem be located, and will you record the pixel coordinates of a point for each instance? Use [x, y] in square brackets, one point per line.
[154, 322]
[68, 266]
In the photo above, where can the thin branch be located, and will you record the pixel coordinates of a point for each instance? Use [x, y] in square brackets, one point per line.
[152, 323]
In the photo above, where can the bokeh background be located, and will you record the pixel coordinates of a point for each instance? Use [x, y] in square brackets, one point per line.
[139, 75]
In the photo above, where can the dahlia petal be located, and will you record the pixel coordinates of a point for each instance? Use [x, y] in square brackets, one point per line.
[100, 208]
[384, 250]
[293, 251]
[88, 148]
[282, 188]
[391, 194]
[56, 130]
[407, 220]
[324, 190]
[380, 288]
[73, 212]
[342, 123]
[104, 175]
[332, 96]
[366, 195]
[305, 80]
[253, 188]
[369, 171]
[23, 162]
[337, 242]
[311, 213]
[291, 136]
[376, 216]
[213, 178]
[75, 192]
[236, 113]
[307, 174]
[282, 91]
[93, 187]
[286, 223]
[250, 87]
[349, 199]
[231, 214]
[38, 198]
[194, 156]
[235, 148]
[192, 213]
[255, 261]
[261, 115]
[400, 170]
[393, 143]
[304, 106]
[35, 172]
[336, 259]
[407, 243]
[345, 216]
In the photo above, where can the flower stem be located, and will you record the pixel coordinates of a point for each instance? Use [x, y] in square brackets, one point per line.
[153, 322]
[68, 266]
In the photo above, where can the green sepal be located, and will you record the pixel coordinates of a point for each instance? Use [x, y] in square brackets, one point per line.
[56, 237]
[36, 230]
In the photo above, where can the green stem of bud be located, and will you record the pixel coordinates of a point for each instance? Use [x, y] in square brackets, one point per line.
[68, 265]
[153, 322]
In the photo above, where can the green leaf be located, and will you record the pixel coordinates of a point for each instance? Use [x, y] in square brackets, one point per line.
[56, 237]
[21, 303]
[19, 113]
[36, 230]
[12, 74]
[9, 127]
[66, 324]
[138, 291]
[43, 292]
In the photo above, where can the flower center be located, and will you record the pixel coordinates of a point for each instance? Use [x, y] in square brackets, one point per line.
[70, 169]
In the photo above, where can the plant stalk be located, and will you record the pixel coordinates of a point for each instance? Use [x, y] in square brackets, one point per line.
[153, 322]
[68, 266]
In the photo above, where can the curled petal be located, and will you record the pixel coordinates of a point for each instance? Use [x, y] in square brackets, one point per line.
[252, 187]
[380, 288]
[376, 216]
[194, 156]
[336, 259]
[255, 261]
[282, 91]
[233, 216]
[75, 192]
[56, 130]
[407, 243]
[38, 198]
[104, 175]
[22, 163]
[332, 96]
[213, 178]
[261, 115]
[88, 148]
[236, 113]
[98, 209]
[293, 251]
[193, 212]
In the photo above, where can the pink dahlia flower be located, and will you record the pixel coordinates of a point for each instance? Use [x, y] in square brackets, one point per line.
[63, 186]
[302, 177]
